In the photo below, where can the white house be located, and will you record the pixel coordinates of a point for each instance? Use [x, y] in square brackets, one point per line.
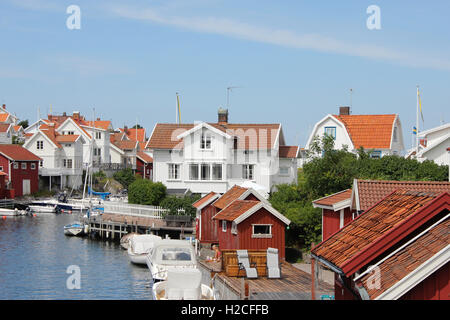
[379, 133]
[204, 157]
[61, 154]
[6, 133]
[433, 145]
[6, 116]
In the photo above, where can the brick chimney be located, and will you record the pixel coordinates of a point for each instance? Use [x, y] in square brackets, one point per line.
[76, 115]
[344, 111]
[4, 106]
[222, 116]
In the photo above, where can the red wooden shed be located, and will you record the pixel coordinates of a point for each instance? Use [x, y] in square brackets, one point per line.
[397, 249]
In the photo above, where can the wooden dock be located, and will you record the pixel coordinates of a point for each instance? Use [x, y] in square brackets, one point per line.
[294, 284]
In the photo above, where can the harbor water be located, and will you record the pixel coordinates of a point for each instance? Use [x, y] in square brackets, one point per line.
[37, 259]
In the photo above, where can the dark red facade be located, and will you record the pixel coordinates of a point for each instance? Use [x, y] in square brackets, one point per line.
[244, 238]
[208, 226]
[144, 169]
[331, 221]
[434, 287]
[20, 171]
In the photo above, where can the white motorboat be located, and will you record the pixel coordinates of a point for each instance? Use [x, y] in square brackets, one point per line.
[140, 245]
[12, 212]
[168, 255]
[125, 240]
[74, 229]
[43, 208]
[182, 284]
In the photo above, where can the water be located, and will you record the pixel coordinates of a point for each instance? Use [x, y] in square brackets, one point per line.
[35, 255]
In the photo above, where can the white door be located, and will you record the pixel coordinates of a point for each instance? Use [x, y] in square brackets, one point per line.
[26, 186]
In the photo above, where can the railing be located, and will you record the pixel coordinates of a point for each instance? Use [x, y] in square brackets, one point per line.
[113, 166]
[7, 204]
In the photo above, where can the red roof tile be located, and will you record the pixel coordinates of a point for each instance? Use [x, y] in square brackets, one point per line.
[235, 209]
[334, 198]
[132, 133]
[67, 138]
[288, 151]
[4, 117]
[17, 153]
[144, 157]
[372, 191]
[203, 200]
[101, 124]
[234, 193]
[402, 263]
[369, 131]
[362, 233]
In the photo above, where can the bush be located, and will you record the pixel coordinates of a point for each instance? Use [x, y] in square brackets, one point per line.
[173, 203]
[143, 191]
[125, 177]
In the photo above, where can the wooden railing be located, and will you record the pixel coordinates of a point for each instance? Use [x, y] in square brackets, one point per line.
[230, 263]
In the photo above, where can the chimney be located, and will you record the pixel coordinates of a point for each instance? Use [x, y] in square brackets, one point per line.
[76, 115]
[344, 111]
[98, 119]
[222, 116]
[64, 114]
[4, 106]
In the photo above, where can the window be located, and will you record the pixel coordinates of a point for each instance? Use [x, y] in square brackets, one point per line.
[233, 227]
[16, 165]
[33, 166]
[262, 231]
[174, 171]
[395, 134]
[1, 168]
[97, 151]
[205, 171]
[224, 226]
[193, 172]
[375, 154]
[68, 145]
[217, 171]
[69, 163]
[284, 171]
[69, 132]
[39, 144]
[235, 143]
[24, 166]
[41, 163]
[331, 131]
[98, 135]
[205, 142]
[248, 170]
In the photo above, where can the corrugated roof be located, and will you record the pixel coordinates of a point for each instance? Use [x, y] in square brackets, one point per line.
[406, 260]
[369, 131]
[368, 228]
[372, 191]
[234, 193]
[17, 152]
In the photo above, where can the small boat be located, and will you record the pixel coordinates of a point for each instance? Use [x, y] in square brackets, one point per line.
[12, 212]
[182, 284]
[125, 240]
[168, 255]
[140, 245]
[43, 207]
[74, 229]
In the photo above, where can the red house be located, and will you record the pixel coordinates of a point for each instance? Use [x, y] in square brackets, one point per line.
[208, 206]
[340, 208]
[397, 249]
[21, 167]
[144, 165]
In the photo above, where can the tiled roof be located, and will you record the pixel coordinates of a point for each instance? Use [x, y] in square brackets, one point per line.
[17, 152]
[203, 200]
[229, 196]
[125, 144]
[4, 127]
[334, 198]
[3, 117]
[131, 134]
[406, 260]
[250, 136]
[17, 128]
[144, 157]
[372, 191]
[101, 124]
[67, 138]
[288, 151]
[51, 136]
[235, 209]
[366, 230]
[369, 131]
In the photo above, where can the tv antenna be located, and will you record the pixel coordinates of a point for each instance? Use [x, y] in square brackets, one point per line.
[228, 94]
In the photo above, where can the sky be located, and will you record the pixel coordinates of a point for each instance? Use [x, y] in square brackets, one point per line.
[292, 62]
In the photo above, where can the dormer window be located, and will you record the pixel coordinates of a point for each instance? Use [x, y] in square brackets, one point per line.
[331, 131]
[205, 143]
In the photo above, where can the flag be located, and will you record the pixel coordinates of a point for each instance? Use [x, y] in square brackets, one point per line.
[420, 104]
[414, 130]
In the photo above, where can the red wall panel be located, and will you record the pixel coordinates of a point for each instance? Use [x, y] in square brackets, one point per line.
[435, 287]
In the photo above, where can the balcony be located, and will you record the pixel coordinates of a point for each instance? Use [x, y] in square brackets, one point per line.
[60, 171]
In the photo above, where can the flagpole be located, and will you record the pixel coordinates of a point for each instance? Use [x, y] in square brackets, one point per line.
[417, 124]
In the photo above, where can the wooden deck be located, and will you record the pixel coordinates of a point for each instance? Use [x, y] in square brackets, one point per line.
[294, 284]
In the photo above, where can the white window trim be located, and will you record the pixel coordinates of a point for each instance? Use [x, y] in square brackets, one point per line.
[169, 171]
[33, 166]
[224, 226]
[265, 235]
[341, 218]
[233, 227]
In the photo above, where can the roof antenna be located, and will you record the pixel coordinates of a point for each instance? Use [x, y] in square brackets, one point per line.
[228, 94]
[351, 96]
[178, 113]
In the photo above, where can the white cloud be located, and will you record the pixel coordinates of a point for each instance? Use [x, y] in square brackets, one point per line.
[280, 37]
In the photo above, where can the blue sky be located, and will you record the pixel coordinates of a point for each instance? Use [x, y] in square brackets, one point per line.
[294, 61]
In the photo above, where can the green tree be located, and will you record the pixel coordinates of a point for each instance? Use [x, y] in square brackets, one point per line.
[143, 191]
[125, 177]
[24, 124]
[173, 203]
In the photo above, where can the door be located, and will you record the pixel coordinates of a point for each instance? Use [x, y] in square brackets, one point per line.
[26, 187]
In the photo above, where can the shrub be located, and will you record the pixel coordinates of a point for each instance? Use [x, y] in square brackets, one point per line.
[143, 191]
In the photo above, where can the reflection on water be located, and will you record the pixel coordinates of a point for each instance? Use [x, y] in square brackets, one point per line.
[35, 254]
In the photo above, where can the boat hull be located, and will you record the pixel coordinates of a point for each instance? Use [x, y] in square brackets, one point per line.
[159, 287]
[137, 258]
[43, 209]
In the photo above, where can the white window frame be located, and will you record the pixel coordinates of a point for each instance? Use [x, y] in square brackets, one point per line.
[333, 132]
[224, 225]
[16, 165]
[33, 166]
[206, 141]
[191, 177]
[98, 135]
[212, 171]
[1, 168]
[261, 235]
[233, 227]
[23, 166]
[284, 173]
[207, 166]
[39, 145]
[174, 171]
[248, 174]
